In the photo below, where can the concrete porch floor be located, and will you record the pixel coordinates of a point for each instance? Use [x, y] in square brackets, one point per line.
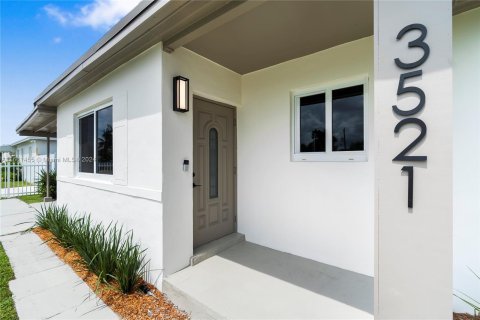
[248, 281]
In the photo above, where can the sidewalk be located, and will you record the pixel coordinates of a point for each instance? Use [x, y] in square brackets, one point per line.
[44, 287]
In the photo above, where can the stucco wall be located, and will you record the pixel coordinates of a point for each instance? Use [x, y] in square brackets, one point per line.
[319, 210]
[466, 155]
[42, 147]
[132, 195]
[209, 80]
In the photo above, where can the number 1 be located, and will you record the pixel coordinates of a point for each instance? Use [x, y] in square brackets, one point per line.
[409, 170]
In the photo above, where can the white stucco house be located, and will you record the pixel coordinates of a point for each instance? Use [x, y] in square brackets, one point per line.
[32, 155]
[289, 134]
[33, 150]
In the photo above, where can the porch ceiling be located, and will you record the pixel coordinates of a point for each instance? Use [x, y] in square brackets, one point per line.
[277, 31]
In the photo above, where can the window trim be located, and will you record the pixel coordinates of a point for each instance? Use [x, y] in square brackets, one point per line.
[92, 110]
[328, 155]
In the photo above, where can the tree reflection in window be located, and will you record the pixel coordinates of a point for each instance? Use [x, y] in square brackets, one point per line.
[347, 119]
[104, 141]
[312, 123]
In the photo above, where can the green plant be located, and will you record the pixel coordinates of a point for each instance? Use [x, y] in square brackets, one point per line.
[15, 170]
[468, 299]
[42, 183]
[7, 306]
[109, 252]
[131, 261]
[32, 198]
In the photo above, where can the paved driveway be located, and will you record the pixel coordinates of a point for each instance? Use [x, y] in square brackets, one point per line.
[44, 287]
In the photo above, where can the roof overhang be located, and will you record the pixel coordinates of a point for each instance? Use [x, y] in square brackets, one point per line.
[169, 21]
[42, 122]
[175, 23]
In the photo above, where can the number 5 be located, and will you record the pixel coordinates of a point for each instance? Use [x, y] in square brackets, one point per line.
[402, 90]
[417, 43]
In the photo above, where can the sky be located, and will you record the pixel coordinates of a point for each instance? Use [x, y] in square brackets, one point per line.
[38, 41]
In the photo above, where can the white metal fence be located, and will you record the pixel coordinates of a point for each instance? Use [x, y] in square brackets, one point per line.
[20, 179]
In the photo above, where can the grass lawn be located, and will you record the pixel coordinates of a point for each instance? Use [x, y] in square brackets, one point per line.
[32, 198]
[7, 307]
[16, 184]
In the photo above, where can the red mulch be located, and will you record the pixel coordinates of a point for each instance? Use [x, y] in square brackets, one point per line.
[464, 316]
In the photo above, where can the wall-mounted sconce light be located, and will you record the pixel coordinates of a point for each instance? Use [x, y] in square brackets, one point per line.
[180, 94]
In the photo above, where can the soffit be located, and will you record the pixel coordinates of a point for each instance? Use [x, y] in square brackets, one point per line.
[277, 31]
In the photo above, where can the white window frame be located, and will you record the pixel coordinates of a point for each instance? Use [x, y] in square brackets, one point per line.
[328, 155]
[92, 110]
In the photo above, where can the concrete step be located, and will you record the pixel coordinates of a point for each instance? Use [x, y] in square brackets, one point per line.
[249, 281]
[212, 248]
[188, 303]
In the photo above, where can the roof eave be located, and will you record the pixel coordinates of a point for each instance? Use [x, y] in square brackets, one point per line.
[41, 122]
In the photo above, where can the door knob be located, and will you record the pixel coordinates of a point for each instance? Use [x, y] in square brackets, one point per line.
[196, 185]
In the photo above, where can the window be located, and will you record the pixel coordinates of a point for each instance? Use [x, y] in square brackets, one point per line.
[329, 124]
[95, 141]
[213, 163]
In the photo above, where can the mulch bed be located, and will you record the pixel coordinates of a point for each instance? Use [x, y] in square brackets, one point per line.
[464, 316]
[133, 306]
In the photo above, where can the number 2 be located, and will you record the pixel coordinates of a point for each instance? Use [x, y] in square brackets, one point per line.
[402, 156]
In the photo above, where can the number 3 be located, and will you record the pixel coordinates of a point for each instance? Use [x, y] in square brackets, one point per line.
[417, 43]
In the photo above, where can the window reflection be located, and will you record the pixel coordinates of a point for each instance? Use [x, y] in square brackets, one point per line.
[312, 123]
[86, 146]
[104, 141]
[347, 119]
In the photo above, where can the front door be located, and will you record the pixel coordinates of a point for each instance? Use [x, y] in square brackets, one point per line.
[214, 207]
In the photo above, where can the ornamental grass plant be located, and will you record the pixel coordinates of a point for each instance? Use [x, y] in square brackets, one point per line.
[469, 300]
[108, 251]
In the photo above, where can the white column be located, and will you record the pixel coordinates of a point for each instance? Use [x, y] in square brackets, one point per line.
[413, 245]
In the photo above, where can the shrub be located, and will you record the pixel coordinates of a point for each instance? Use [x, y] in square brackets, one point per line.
[468, 299]
[42, 183]
[109, 252]
[15, 173]
[132, 259]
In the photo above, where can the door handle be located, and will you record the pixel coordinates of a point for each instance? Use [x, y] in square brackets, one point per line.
[196, 185]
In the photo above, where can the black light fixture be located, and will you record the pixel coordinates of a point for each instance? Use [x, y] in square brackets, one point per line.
[180, 94]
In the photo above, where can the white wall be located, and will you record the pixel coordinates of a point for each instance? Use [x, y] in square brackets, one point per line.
[132, 196]
[38, 148]
[466, 155]
[209, 80]
[41, 147]
[413, 275]
[318, 210]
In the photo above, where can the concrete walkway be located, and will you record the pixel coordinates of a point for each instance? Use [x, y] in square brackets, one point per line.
[44, 287]
[248, 281]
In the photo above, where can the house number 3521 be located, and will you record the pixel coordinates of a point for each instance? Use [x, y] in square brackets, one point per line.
[410, 113]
